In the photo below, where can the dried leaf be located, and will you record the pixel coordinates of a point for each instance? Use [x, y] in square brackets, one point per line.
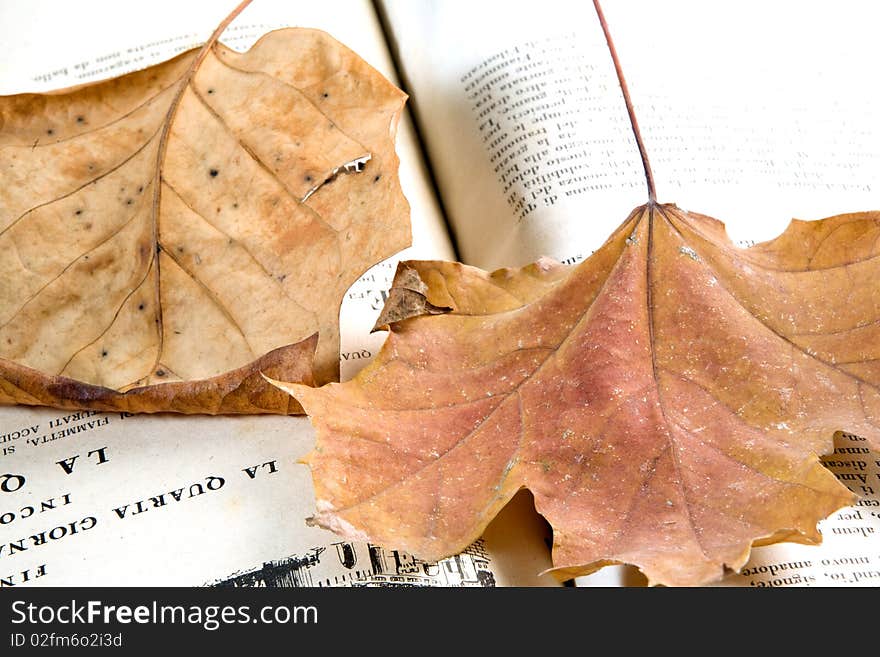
[180, 223]
[406, 298]
[664, 401]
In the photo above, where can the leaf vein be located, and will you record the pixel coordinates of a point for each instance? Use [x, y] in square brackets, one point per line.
[112, 321]
[649, 299]
[773, 330]
[112, 169]
[96, 129]
[36, 294]
[259, 162]
[244, 247]
[213, 297]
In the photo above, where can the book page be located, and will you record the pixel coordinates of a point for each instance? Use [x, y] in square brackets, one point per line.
[112, 499]
[751, 112]
[109, 499]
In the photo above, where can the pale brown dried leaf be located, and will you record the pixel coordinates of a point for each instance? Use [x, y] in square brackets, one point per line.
[177, 224]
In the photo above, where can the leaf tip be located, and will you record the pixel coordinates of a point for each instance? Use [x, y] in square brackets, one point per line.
[295, 390]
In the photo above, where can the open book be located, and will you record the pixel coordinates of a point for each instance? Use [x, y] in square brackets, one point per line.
[517, 145]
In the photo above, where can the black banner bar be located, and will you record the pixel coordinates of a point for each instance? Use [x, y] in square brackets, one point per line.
[366, 618]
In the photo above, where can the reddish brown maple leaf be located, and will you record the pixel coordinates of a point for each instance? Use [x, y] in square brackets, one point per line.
[664, 401]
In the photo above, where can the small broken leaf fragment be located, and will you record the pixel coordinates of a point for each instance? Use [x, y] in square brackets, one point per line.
[664, 401]
[406, 298]
[175, 225]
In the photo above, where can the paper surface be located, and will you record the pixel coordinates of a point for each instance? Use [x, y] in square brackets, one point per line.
[104, 499]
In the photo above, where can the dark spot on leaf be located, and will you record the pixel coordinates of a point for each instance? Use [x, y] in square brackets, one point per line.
[326, 95]
[376, 179]
[178, 333]
[210, 91]
[180, 249]
[213, 173]
[308, 179]
[80, 119]
[140, 189]
[235, 206]
[78, 212]
[129, 201]
[50, 131]
[104, 354]
[87, 225]
[140, 306]
[160, 372]
[79, 392]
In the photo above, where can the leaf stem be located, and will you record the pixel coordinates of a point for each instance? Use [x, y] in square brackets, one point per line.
[220, 30]
[160, 159]
[649, 175]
